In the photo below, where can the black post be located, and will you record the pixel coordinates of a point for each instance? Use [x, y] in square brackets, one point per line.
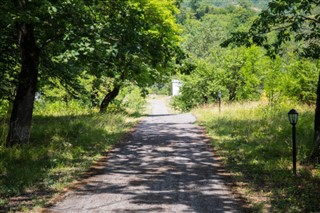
[294, 150]
[219, 99]
[293, 116]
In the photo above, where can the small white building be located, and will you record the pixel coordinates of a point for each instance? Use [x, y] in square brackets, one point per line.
[176, 85]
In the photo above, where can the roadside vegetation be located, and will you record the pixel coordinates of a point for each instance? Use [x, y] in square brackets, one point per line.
[264, 60]
[254, 141]
[63, 61]
[65, 142]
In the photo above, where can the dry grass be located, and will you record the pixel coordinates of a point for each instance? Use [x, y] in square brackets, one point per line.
[254, 141]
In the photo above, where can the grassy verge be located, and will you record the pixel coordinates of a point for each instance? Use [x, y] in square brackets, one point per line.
[255, 144]
[61, 148]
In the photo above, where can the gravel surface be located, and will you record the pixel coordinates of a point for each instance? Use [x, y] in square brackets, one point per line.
[164, 166]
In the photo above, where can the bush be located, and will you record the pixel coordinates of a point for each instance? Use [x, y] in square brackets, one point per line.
[131, 98]
[161, 89]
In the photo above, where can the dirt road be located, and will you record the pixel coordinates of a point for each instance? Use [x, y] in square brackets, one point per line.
[164, 166]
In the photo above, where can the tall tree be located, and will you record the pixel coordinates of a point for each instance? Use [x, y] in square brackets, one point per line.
[8, 60]
[145, 37]
[126, 40]
[285, 21]
[38, 28]
[21, 116]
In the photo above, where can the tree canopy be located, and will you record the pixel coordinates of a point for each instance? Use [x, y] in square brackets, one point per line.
[68, 41]
[288, 31]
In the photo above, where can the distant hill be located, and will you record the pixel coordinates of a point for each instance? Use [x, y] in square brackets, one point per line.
[259, 4]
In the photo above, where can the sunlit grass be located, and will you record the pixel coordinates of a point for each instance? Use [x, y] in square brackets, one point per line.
[255, 144]
[61, 147]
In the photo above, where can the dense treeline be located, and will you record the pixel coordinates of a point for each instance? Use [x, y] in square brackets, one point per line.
[87, 49]
[81, 54]
[240, 73]
[248, 53]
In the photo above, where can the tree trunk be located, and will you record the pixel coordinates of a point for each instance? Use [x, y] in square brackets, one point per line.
[108, 98]
[316, 152]
[21, 115]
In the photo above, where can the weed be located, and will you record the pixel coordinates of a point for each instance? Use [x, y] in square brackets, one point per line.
[61, 148]
[255, 143]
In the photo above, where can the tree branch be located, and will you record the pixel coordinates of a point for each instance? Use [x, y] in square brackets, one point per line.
[310, 19]
[48, 41]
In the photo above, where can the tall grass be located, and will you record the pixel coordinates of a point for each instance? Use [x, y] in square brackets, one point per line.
[64, 142]
[255, 144]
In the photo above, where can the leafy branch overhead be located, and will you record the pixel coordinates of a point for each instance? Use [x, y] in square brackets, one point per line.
[282, 22]
[67, 41]
[293, 21]
[288, 31]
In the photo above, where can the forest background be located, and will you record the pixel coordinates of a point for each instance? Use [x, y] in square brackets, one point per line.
[89, 56]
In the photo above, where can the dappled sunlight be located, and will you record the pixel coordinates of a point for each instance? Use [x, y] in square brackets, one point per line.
[255, 143]
[60, 149]
[165, 164]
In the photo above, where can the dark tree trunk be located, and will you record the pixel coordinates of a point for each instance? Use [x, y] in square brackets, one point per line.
[316, 152]
[232, 93]
[94, 99]
[21, 115]
[108, 98]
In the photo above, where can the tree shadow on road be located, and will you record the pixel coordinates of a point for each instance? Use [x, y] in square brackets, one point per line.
[166, 164]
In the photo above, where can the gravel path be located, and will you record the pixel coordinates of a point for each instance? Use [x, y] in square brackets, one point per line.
[164, 166]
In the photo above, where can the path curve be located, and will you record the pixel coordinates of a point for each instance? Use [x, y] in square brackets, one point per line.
[164, 166]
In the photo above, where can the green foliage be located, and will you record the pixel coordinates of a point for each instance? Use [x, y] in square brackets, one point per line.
[58, 102]
[4, 107]
[83, 42]
[241, 73]
[62, 31]
[60, 108]
[205, 34]
[201, 36]
[161, 89]
[199, 8]
[255, 143]
[130, 100]
[66, 137]
[300, 79]
[291, 77]
[281, 22]
[145, 38]
[237, 73]
[62, 146]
